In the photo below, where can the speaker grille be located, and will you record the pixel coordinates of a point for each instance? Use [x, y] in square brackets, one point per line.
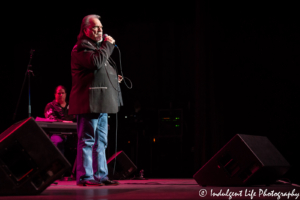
[124, 166]
[29, 161]
[244, 160]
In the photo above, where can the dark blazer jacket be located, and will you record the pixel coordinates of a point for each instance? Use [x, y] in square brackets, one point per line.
[95, 87]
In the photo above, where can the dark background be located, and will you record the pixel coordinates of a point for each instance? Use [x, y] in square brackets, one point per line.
[228, 67]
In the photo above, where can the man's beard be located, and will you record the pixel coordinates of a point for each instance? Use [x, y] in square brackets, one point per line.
[97, 37]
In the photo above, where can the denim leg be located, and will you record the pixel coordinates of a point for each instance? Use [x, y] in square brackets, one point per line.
[86, 129]
[99, 158]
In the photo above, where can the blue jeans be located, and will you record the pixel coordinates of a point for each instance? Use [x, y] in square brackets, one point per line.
[92, 142]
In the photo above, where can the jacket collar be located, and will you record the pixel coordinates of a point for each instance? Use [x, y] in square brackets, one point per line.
[93, 42]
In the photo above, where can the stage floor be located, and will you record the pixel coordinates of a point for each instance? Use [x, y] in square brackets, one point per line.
[160, 189]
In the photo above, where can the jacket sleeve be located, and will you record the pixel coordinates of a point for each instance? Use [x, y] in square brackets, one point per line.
[86, 55]
[49, 113]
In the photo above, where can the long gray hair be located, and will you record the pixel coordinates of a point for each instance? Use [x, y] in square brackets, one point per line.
[84, 24]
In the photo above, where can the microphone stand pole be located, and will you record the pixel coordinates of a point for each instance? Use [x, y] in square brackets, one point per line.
[28, 71]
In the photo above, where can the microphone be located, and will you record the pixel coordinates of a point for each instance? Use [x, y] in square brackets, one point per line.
[104, 36]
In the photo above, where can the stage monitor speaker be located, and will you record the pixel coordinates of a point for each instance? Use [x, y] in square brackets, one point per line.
[244, 160]
[124, 166]
[29, 161]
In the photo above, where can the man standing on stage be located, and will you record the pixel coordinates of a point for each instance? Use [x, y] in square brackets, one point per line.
[95, 92]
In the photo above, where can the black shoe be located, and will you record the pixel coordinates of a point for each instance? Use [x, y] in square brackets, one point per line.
[90, 183]
[110, 182]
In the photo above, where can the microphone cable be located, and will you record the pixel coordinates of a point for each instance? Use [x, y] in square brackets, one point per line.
[115, 162]
[121, 70]
[113, 64]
